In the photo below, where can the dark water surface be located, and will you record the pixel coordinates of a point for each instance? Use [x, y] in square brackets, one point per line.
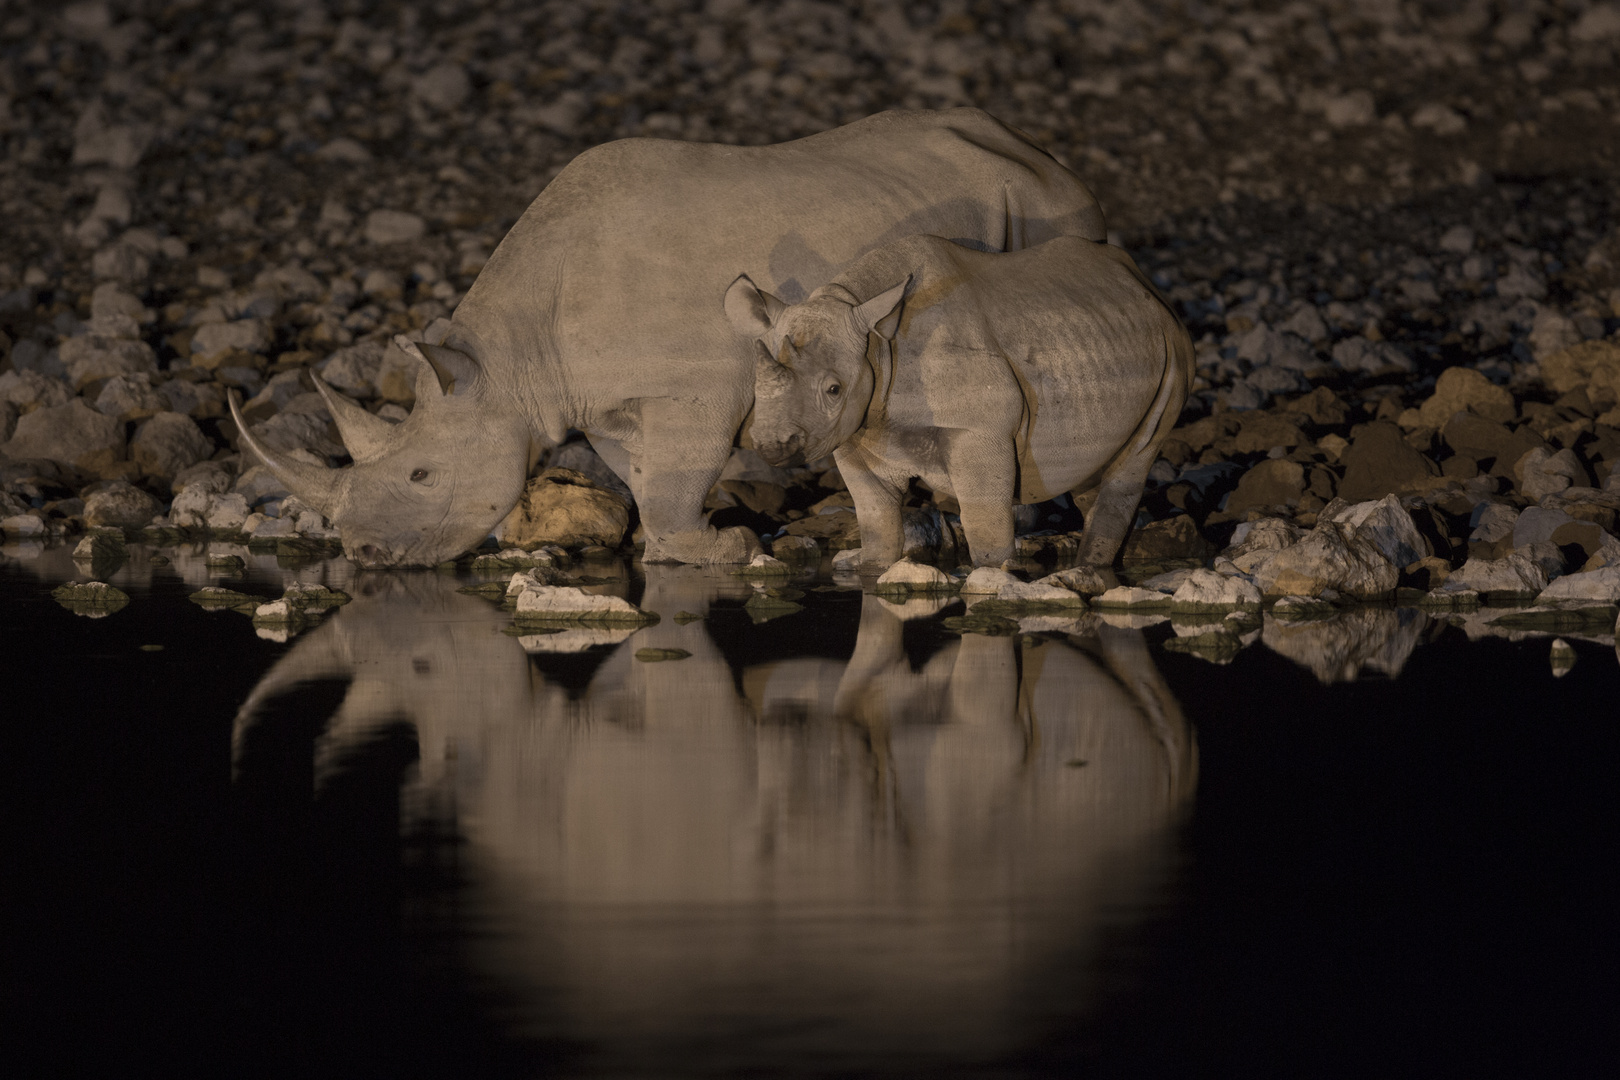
[842, 843]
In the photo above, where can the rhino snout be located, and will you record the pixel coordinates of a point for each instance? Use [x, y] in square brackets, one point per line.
[783, 451]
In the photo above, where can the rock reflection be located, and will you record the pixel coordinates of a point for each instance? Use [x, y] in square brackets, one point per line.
[725, 864]
[1340, 647]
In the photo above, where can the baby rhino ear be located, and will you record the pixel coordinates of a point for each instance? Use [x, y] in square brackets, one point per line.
[882, 312]
[751, 309]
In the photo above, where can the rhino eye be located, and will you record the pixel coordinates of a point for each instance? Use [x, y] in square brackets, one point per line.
[419, 475]
[834, 390]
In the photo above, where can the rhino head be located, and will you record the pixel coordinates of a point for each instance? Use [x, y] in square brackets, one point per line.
[423, 490]
[812, 379]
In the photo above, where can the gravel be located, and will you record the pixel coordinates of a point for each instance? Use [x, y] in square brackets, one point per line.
[1391, 230]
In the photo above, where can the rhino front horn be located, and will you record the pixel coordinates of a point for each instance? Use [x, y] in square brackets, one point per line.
[365, 434]
[313, 484]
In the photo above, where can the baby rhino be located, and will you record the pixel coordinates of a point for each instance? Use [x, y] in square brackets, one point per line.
[994, 378]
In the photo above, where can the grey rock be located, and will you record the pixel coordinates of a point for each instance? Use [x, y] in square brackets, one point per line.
[168, 443]
[121, 505]
[73, 434]
[92, 357]
[393, 227]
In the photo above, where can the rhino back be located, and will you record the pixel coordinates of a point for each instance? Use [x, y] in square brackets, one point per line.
[618, 268]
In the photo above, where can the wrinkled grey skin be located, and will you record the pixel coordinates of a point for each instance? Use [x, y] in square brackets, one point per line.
[598, 312]
[1012, 378]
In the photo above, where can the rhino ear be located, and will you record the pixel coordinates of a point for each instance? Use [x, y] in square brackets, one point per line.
[751, 309]
[455, 371]
[882, 313]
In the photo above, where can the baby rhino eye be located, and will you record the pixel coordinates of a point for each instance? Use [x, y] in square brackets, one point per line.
[419, 475]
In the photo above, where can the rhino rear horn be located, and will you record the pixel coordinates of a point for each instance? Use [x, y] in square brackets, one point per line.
[454, 370]
[365, 434]
[313, 484]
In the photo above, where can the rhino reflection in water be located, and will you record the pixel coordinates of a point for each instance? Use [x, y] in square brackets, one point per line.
[805, 856]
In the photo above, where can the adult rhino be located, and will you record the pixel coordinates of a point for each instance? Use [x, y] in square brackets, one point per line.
[601, 311]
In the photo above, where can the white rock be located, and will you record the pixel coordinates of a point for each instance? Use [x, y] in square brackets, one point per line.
[1329, 557]
[918, 577]
[1514, 574]
[1129, 596]
[848, 559]
[271, 528]
[1039, 592]
[1387, 526]
[1602, 585]
[1085, 580]
[987, 579]
[1205, 590]
[444, 86]
[227, 512]
[1540, 473]
[212, 341]
[571, 603]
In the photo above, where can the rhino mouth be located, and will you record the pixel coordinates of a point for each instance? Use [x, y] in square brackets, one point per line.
[784, 453]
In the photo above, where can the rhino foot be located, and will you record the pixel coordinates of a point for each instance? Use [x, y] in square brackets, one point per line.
[733, 545]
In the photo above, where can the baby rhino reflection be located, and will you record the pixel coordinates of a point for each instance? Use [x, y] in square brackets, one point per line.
[920, 804]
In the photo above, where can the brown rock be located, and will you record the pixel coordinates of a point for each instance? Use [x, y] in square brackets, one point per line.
[1201, 434]
[1173, 538]
[1481, 439]
[1379, 462]
[1461, 389]
[1573, 368]
[561, 506]
[121, 505]
[73, 434]
[1320, 406]
[836, 531]
[1276, 482]
[167, 444]
[1261, 431]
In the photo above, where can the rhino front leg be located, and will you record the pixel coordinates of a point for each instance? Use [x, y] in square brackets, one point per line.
[983, 468]
[877, 509]
[683, 448]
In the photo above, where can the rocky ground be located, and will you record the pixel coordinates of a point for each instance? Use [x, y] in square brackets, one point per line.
[1391, 229]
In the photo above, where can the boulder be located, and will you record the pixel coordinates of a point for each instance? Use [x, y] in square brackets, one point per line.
[988, 579]
[1574, 368]
[1538, 523]
[561, 506]
[91, 357]
[1330, 556]
[909, 576]
[168, 443]
[213, 344]
[73, 434]
[795, 548]
[1363, 357]
[1131, 596]
[1205, 590]
[210, 476]
[1602, 585]
[1175, 537]
[1379, 461]
[119, 504]
[1481, 439]
[353, 370]
[130, 397]
[1539, 473]
[1513, 576]
[1254, 541]
[1038, 594]
[29, 390]
[1461, 389]
[1274, 482]
[1084, 580]
[571, 604]
[1385, 524]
